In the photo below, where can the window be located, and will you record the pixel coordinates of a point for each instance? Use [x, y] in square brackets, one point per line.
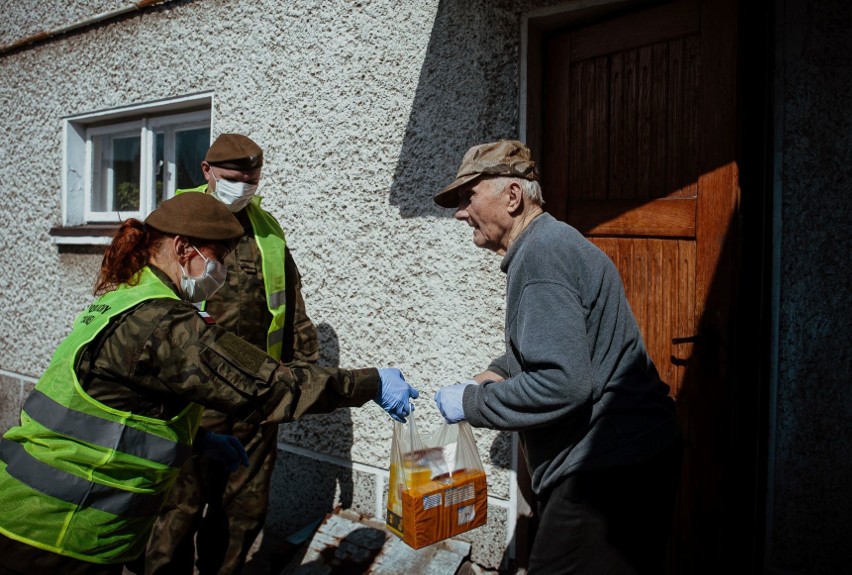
[122, 163]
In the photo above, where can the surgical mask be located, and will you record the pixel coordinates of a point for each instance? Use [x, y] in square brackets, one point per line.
[199, 288]
[235, 195]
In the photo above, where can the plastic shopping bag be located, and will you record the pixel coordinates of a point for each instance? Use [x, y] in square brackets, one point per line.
[437, 485]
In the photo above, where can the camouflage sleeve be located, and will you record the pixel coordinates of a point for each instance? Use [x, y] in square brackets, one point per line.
[305, 341]
[206, 364]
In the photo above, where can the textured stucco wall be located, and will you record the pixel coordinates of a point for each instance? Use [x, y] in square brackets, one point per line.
[810, 513]
[21, 20]
[364, 110]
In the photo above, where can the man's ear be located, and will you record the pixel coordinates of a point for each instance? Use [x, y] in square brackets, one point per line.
[514, 198]
[207, 171]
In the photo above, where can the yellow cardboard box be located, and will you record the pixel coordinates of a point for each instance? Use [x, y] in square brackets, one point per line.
[431, 509]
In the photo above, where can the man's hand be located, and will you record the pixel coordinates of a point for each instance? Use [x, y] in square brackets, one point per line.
[395, 393]
[449, 400]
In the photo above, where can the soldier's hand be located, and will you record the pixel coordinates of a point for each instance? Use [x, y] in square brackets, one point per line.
[395, 393]
[224, 448]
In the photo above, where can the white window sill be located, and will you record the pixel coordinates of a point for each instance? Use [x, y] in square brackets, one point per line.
[86, 235]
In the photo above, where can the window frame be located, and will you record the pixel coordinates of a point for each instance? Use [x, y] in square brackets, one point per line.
[171, 115]
[171, 124]
[93, 170]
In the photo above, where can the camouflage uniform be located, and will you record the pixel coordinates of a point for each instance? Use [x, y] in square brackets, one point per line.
[162, 354]
[236, 502]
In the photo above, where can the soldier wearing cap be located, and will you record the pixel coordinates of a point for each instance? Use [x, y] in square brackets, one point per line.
[110, 422]
[211, 509]
[595, 421]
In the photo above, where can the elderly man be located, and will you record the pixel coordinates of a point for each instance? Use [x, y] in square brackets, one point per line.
[596, 423]
[261, 301]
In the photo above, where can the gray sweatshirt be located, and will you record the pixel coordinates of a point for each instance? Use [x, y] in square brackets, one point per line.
[580, 387]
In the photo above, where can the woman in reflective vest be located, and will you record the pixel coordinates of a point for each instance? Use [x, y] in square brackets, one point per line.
[88, 477]
[108, 425]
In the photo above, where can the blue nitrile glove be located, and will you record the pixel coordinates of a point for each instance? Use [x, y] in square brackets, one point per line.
[394, 394]
[449, 400]
[224, 448]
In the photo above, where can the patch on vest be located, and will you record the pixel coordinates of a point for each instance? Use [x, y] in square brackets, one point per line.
[208, 319]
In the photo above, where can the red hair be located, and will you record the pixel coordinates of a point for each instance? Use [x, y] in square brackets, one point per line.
[129, 252]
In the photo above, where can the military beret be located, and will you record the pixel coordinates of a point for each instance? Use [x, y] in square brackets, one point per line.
[195, 215]
[504, 158]
[234, 152]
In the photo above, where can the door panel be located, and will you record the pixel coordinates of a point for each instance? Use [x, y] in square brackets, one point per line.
[623, 110]
[635, 132]
[658, 273]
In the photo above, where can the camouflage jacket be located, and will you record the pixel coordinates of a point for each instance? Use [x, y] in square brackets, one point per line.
[240, 304]
[162, 354]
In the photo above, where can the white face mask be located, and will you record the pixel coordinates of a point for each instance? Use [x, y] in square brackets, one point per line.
[235, 195]
[200, 288]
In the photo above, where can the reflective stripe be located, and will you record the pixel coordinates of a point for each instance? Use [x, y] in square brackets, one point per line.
[277, 299]
[272, 246]
[109, 434]
[274, 338]
[72, 489]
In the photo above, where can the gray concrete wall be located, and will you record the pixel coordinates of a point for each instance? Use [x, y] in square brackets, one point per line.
[810, 499]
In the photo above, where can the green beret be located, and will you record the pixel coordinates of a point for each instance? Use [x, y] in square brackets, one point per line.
[198, 216]
[234, 152]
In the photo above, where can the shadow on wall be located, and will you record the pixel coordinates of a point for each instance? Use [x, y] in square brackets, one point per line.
[340, 421]
[466, 94]
[304, 489]
[515, 554]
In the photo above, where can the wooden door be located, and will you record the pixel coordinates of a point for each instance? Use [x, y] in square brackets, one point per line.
[635, 135]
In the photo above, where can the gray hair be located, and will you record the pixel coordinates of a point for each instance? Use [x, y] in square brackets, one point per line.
[531, 188]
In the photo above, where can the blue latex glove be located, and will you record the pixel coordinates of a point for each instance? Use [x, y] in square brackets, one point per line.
[224, 448]
[449, 400]
[394, 394]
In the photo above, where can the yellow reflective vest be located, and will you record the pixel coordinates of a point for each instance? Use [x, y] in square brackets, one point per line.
[272, 245]
[87, 480]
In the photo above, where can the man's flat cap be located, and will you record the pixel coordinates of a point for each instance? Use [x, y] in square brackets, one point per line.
[195, 215]
[234, 152]
[504, 158]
